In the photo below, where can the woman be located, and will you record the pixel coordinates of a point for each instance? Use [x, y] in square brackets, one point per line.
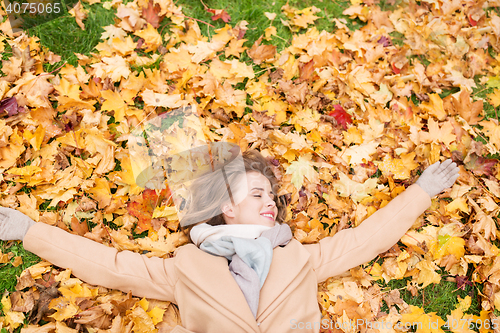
[270, 284]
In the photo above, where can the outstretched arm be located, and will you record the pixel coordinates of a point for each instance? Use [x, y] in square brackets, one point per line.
[90, 261]
[354, 246]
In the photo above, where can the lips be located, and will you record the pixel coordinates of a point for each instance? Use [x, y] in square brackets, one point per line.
[266, 214]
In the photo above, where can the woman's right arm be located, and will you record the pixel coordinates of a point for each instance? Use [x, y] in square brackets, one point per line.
[98, 264]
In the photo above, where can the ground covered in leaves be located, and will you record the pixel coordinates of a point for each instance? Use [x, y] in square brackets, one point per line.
[349, 119]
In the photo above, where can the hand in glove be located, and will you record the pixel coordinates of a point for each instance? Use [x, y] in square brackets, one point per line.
[13, 224]
[438, 177]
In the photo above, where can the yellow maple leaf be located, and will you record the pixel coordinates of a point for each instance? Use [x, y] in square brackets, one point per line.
[142, 321]
[448, 245]
[114, 67]
[235, 48]
[78, 290]
[156, 314]
[492, 130]
[457, 321]
[483, 222]
[101, 192]
[305, 17]
[484, 323]
[300, 169]
[166, 100]
[11, 318]
[434, 106]
[269, 31]
[357, 191]
[64, 308]
[401, 168]
[114, 102]
[427, 273]
[424, 322]
[459, 203]
[495, 97]
[152, 38]
[357, 154]
[436, 134]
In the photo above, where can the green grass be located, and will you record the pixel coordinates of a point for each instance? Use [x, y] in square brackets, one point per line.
[65, 38]
[440, 298]
[9, 273]
[253, 13]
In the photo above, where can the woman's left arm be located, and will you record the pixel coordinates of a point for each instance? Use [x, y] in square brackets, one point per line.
[354, 246]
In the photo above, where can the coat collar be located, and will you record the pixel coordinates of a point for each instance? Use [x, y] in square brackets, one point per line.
[209, 276]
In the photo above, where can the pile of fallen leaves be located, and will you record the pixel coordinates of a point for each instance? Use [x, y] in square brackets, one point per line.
[348, 118]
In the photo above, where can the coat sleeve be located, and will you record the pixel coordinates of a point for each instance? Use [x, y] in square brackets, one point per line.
[354, 246]
[99, 264]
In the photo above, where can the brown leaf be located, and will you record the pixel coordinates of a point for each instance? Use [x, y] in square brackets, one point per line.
[79, 227]
[467, 110]
[25, 281]
[22, 302]
[79, 13]
[41, 307]
[47, 328]
[123, 306]
[28, 61]
[306, 71]
[97, 316]
[17, 261]
[260, 53]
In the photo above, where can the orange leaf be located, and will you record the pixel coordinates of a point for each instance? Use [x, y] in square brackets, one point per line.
[150, 14]
[143, 209]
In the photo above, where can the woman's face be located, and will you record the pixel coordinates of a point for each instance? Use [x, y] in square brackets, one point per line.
[258, 207]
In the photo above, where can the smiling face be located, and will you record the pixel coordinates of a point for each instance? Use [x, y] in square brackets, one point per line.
[257, 207]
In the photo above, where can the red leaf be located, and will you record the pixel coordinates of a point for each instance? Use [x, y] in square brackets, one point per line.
[395, 69]
[480, 165]
[10, 106]
[472, 21]
[341, 116]
[219, 14]
[150, 14]
[143, 209]
[462, 282]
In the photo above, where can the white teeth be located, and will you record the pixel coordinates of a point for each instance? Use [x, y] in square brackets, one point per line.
[268, 215]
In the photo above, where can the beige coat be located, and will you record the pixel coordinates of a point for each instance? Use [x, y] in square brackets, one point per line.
[201, 285]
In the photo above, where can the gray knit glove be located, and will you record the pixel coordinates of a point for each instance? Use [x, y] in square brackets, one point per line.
[438, 177]
[13, 224]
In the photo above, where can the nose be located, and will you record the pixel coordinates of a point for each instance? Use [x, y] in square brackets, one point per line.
[270, 202]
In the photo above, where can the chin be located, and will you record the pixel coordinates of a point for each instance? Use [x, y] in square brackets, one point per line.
[268, 223]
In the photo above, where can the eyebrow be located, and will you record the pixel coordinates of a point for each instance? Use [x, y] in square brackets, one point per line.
[261, 189]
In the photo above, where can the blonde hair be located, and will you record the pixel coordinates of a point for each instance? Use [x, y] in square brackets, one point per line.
[209, 193]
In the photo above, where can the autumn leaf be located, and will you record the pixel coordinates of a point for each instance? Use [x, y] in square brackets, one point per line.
[79, 13]
[480, 165]
[144, 208]
[10, 106]
[219, 14]
[425, 322]
[300, 169]
[261, 53]
[495, 97]
[150, 14]
[341, 116]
